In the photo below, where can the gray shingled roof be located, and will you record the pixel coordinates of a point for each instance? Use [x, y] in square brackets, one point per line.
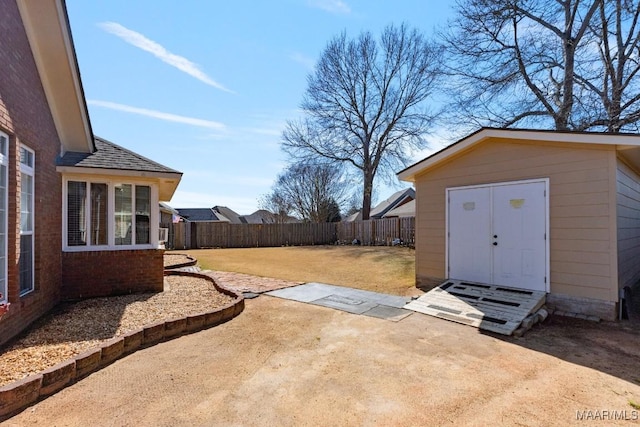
[198, 214]
[112, 156]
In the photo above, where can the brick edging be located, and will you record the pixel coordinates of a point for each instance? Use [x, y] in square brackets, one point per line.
[190, 263]
[17, 396]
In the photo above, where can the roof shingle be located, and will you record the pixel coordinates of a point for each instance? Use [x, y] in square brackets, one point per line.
[112, 156]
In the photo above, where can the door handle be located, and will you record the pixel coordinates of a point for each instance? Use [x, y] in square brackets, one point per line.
[495, 236]
[495, 243]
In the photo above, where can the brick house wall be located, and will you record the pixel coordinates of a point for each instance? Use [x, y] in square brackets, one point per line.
[105, 273]
[26, 118]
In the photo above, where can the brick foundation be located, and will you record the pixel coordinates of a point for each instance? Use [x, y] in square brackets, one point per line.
[105, 273]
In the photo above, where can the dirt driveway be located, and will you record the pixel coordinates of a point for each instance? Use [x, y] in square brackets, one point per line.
[288, 363]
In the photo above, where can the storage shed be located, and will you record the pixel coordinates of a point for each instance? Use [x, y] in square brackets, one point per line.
[537, 210]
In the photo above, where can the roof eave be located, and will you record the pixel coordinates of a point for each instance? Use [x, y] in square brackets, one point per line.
[627, 140]
[47, 27]
[167, 181]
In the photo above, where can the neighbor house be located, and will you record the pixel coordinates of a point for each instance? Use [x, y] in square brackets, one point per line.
[396, 200]
[404, 211]
[537, 210]
[78, 214]
[214, 214]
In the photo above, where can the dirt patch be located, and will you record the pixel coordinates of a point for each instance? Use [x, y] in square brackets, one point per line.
[288, 363]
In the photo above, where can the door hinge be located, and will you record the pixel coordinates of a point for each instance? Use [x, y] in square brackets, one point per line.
[545, 236]
[545, 279]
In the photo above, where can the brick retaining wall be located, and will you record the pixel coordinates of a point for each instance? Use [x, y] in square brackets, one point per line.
[105, 273]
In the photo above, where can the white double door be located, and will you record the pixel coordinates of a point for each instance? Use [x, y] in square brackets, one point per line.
[497, 234]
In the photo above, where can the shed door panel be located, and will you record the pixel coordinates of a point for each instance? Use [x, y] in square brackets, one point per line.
[519, 222]
[469, 234]
[497, 235]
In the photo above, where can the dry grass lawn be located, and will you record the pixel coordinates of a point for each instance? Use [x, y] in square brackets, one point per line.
[375, 268]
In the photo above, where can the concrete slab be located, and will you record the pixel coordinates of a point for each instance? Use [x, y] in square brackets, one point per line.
[250, 295]
[303, 293]
[388, 313]
[351, 300]
[349, 305]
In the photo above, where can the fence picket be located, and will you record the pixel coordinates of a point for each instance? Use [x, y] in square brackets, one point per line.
[224, 235]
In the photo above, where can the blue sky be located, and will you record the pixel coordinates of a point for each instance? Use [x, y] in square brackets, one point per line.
[206, 87]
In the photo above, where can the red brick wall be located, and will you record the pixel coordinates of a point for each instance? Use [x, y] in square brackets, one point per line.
[25, 117]
[94, 274]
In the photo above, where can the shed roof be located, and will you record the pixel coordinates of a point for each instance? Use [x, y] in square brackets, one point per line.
[627, 144]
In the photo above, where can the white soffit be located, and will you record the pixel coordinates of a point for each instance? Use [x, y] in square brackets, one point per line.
[46, 25]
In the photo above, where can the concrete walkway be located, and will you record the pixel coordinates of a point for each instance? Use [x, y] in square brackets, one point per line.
[351, 300]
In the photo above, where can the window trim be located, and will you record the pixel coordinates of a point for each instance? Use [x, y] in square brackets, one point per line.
[31, 171]
[4, 161]
[111, 184]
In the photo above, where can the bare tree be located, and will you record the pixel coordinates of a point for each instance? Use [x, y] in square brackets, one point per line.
[313, 192]
[364, 104]
[613, 81]
[513, 63]
[279, 208]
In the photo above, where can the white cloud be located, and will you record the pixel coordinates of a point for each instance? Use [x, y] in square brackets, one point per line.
[331, 6]
[180, 62]
[307, 62]
[158, 114]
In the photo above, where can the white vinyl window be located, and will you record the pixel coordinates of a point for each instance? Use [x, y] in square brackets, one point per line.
[4, 162]
[27, 185]
[107, 214]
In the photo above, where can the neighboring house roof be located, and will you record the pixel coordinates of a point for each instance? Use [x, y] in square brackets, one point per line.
[398, 198]
[168, 209]
[628, 145]
[356, 216]
[260, 216]
[216, 213]
[112, 159]
[230, 215]
[47, 26]
[263, 216]
[200, 214]
[406, 210]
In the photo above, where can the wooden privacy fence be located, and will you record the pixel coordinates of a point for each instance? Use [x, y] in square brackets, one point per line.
[378, 232]
[196, 235]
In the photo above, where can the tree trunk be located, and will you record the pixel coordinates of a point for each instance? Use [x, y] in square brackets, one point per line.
[366, 195]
